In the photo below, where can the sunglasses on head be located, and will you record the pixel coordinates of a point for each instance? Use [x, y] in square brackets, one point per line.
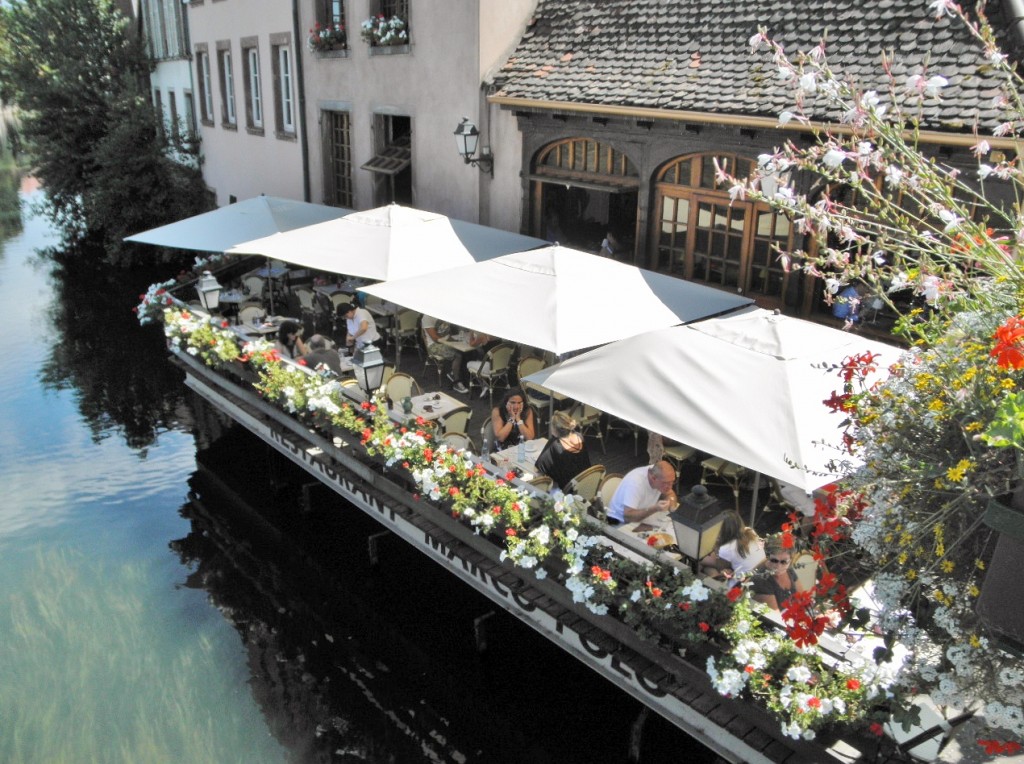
[777, 561]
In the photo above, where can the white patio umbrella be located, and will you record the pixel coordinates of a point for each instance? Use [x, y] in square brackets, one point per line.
[224, 227]
[747, 387]
[557, 299]
[383, 243]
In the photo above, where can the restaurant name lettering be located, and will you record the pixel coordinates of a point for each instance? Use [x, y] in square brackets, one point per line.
[358, 495]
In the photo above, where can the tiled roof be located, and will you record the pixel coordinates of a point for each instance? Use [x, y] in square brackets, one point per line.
[694, 55]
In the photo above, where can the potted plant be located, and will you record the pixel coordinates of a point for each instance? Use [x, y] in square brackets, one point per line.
[379, 31]
[324, 37]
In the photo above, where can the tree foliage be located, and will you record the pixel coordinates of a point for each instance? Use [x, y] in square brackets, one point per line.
[81, 78]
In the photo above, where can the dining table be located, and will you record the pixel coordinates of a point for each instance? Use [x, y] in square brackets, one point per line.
[270, 325]
[508, 458]
[656, 531]
[428, 406]
[459, 342]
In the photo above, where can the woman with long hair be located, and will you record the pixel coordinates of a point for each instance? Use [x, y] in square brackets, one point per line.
[565, 454]
[740, 550]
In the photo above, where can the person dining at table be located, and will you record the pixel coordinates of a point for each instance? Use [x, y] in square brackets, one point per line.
[434, 332]
[512, 420]
[289, 340]
[778, 582]
[740, 550]
[321, 352]
[565, 454]
[642, 492]
[359, 323]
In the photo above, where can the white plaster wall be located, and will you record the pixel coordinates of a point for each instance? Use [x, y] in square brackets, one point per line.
[236, 163]
[436, 83]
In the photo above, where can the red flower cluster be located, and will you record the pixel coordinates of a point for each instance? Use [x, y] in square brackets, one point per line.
[994, 747]
[802, 625]
[600, 573]
[1009, 349]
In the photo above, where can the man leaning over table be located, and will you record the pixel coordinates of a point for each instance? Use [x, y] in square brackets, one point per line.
[642, 492]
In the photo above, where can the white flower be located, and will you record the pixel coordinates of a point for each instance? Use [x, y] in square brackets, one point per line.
[833, 158]
[799, 674]
[984, 171]
[942, 8]
[808, 83]
[786, 117]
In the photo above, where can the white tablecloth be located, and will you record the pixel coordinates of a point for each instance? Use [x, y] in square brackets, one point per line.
[508, 457]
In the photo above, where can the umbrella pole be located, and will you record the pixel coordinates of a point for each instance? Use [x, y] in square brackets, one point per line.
[753, 499]
[270, 281]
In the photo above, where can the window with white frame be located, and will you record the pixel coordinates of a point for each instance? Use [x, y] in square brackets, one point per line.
[227, 86]
[253, 93]
[205, 85]
[284, 87]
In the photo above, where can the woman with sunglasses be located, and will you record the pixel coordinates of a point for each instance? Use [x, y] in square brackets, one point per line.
[779, 582]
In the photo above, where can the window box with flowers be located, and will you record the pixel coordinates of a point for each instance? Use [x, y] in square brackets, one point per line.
[386, 35]
[328, 40]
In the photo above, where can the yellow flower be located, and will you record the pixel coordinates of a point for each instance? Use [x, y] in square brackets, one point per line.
[975, 642]
[974, 427]
[937, 404]
[903, 558]
[957, 473]
[974, 591]
[948, 566]
[911, 574]
[979, 564]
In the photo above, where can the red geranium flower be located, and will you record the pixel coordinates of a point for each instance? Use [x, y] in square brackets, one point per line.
[704, 627]
[853, 684]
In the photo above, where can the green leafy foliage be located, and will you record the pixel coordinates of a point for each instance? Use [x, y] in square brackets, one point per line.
[80, 78]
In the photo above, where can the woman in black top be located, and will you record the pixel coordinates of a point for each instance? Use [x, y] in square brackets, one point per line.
[565, 454]
[512, 419]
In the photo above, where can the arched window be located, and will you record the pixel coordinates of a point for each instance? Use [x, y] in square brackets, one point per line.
[582, 191]
[701, 234]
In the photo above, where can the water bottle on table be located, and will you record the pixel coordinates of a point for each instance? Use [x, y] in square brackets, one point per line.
[521, 450]
[485, 443]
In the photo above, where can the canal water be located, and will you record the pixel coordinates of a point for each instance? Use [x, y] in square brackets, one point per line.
[173, 592]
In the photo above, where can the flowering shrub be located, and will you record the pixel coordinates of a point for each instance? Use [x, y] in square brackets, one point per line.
[795, 682]
[201, 336]
[154, 302]
[381, 31]
[941, 438]
[327, 37]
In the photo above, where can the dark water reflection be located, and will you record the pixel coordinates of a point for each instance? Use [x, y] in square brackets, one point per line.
[117, 368]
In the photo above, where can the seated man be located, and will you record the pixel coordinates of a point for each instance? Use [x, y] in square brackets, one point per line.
[433, 332]
[321, 351]
[642, 492]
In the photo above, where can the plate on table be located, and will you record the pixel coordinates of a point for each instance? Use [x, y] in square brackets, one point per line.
[661, 540]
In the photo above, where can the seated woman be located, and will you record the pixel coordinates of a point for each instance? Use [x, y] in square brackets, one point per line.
[740, 550]
[289, 340]
[778, 583]
[565, 454]
[512, 420]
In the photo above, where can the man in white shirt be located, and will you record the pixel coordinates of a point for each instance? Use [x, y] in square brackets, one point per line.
[643, 492]
[360, 325]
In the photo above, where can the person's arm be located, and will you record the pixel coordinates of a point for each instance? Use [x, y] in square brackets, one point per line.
[476, 339]
[527, 426]
[634, 514]
[300, 347]
[502, 429]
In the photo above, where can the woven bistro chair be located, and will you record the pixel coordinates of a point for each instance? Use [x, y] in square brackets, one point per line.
[492, 371]
[587, 482]
[456, 420]
[401, 385]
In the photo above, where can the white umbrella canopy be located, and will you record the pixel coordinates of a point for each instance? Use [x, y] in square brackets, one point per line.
[747, 387]
[224, 227]
[557, 299]
[383, 243]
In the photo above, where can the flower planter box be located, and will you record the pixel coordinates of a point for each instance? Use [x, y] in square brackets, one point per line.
[388, 50]
[331, 53]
